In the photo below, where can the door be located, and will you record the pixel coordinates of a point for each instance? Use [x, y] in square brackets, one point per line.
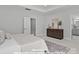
[33, 26]
[26, 25]
[30, 25]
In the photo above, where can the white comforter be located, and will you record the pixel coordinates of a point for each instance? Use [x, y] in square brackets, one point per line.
[22, 43]
[30, 43]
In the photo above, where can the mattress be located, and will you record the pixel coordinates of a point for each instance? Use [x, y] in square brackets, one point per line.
[30, 43]
[10, 46]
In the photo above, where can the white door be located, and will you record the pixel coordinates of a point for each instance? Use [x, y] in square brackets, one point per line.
[26, 25]
[30, 25]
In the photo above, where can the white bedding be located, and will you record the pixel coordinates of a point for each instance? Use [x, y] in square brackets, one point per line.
[21, 43]
[30, 43]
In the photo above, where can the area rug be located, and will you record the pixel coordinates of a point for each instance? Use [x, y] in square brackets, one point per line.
[56, 48]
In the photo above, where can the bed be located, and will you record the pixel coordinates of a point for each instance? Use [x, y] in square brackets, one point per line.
[22, 43]
[30, 43]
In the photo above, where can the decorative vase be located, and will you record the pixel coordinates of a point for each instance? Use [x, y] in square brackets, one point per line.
[59, 27]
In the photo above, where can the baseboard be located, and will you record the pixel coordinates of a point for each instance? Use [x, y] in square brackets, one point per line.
[40, 35]
[66, 38]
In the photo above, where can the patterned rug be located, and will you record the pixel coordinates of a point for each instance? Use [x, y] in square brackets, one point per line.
[56, 48]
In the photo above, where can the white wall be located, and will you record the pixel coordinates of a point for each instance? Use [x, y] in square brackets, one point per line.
[65, 14]
[11, 19]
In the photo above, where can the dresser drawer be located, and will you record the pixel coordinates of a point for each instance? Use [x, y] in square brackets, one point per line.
[55, 33]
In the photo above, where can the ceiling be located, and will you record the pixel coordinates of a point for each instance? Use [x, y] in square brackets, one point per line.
[43, 8]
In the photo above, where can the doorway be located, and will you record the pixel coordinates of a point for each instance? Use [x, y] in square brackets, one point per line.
[75, 28]
[33, 26]
[30, 25]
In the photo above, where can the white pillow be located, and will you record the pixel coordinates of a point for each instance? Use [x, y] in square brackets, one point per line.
[8, 36]
[2, 37]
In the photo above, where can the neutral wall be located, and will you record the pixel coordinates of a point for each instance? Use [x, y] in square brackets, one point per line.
[65, 14]
[11, 19]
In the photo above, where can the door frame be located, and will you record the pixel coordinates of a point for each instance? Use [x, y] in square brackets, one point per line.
[36, 17]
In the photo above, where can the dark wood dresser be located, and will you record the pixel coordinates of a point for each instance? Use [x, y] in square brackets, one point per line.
[55, 33]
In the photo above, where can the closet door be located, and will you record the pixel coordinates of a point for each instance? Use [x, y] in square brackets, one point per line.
[27, 25]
